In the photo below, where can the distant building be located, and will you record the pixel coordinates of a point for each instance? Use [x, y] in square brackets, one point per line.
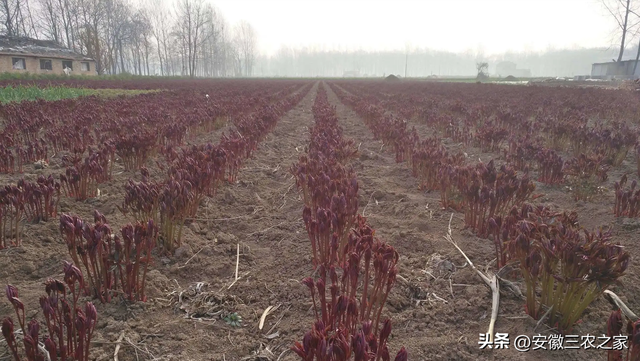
[506, 68]
[26, 55]
[610, 70]
[351, 74]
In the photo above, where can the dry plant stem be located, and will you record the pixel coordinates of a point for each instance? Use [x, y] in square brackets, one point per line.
[365, 207]
[263, 317]
[191, 258]
[614, 299]
[495, 304]
[279, 320]
[542, 318]
[237, 260]
[44, 351]
[515, 290]
[491, 282]
[118, 344]
[234, 282]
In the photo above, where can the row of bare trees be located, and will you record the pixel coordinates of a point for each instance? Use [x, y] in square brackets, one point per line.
[188, 38]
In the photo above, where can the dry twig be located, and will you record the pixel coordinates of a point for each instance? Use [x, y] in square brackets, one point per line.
[365, 207]
[190, 258]
[491, 282]
[237, 260]
[118, 344]
[266, 229]
[616, 301]
[542, 318]
[266, 313]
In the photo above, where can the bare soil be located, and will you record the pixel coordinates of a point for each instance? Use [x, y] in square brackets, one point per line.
[438, 307]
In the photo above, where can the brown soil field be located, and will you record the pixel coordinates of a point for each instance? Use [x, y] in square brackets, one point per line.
[438, 307]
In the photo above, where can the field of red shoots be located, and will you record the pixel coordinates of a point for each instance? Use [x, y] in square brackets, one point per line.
[321, 220]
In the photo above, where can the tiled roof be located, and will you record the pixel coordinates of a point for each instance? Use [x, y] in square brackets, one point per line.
[40, 48]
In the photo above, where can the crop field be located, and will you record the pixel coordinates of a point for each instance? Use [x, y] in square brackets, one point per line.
[301, 219]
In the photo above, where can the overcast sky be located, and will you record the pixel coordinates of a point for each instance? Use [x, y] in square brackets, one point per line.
[493, 26]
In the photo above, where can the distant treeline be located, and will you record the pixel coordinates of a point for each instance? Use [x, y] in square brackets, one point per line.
[422, 63]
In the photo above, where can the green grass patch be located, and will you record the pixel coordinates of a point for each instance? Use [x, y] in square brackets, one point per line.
[21, 93]
[121, 76]
[108, 93]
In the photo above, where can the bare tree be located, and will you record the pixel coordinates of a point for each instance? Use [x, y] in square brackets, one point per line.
[114, 32]
[213, 49]
[620, 11]
[159, 17]
[191, 20]
[16, 19]
[69, 13]
[226, 58]
[235, 58]
[48, 20]
[245, 39]
[91, 20]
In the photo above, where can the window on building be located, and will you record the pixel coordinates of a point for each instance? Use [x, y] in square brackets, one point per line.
[45, 64]
[19, 63]
[67, 64]
[85, 66]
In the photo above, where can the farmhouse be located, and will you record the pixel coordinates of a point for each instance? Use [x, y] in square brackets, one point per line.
[506, 68]
[615, 69]
[351, 74]
[26, 55]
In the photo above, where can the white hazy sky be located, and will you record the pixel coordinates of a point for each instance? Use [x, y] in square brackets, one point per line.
[492, 26]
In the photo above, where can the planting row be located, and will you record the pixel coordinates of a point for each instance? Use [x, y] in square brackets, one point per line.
[355, 270]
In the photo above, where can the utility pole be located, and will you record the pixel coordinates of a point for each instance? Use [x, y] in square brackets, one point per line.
[406, 61]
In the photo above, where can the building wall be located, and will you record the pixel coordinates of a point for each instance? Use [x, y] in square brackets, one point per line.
[33, 66]
[598, 70]
[506, 68]
[623, 69]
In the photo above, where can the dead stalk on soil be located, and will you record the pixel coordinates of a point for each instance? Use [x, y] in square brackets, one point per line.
[234, 282]
[192, 257]
[279, 320]
[118, 344]
[491, 282]
[266, 229]
[365, 207]
[542, 318]
[269, 310]
[237, 260]
[615, 300]
[138, 348]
